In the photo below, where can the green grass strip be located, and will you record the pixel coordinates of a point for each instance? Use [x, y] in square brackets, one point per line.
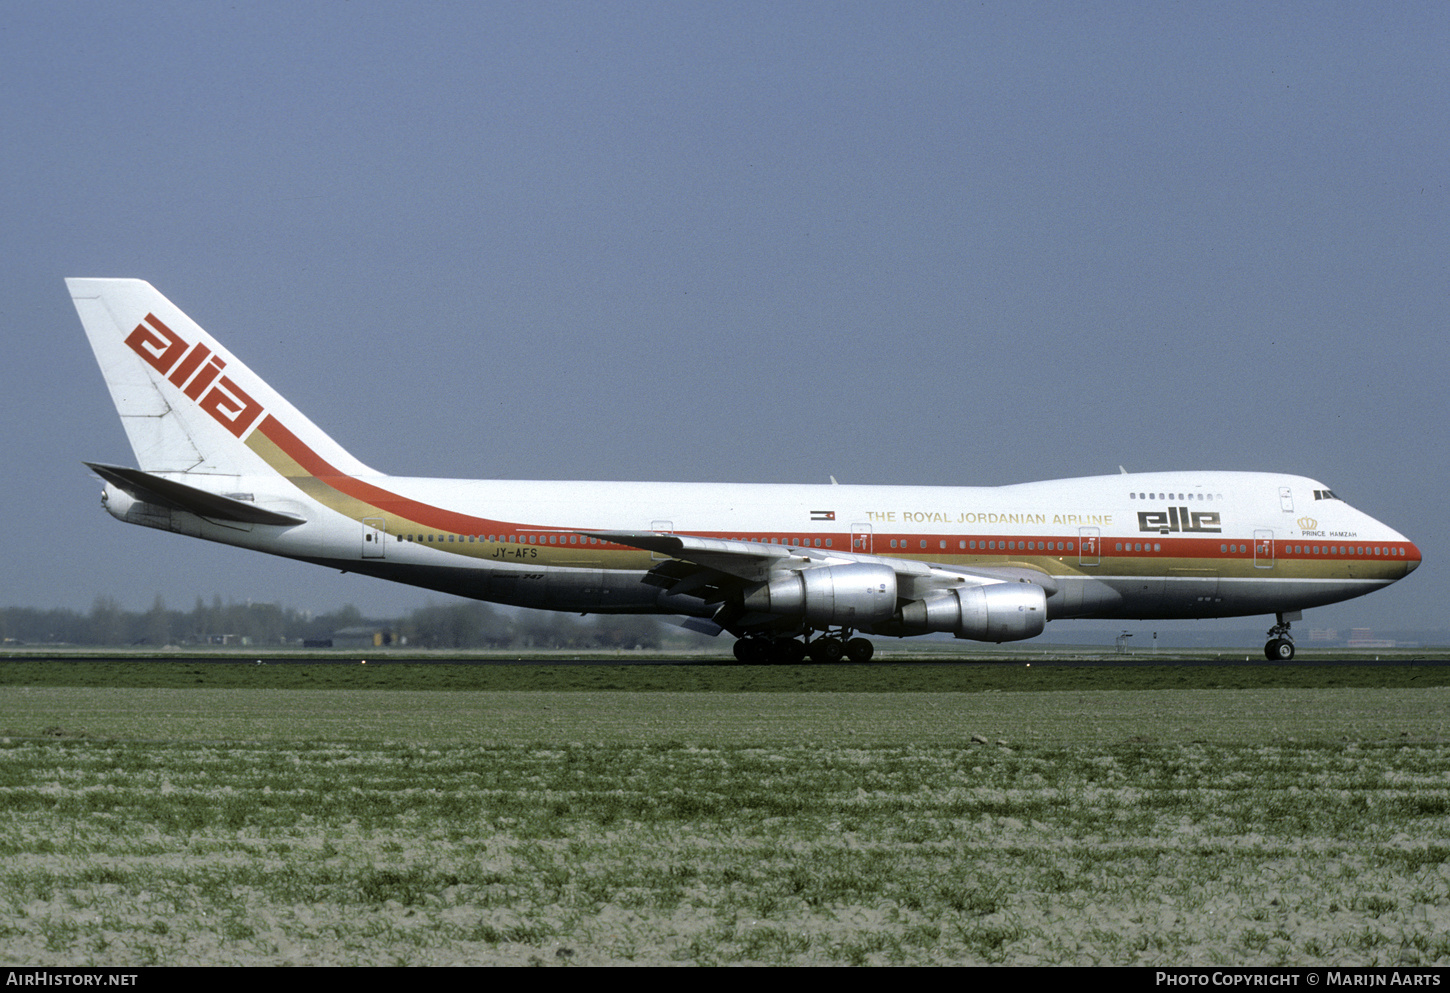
[884, 677]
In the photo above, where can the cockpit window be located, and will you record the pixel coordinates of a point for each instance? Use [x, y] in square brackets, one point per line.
[1325, 495]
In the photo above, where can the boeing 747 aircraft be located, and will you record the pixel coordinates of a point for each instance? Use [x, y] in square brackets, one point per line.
[792, 571]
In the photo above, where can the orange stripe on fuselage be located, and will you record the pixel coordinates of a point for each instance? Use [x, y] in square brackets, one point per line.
[1183, 550]
[320, 469]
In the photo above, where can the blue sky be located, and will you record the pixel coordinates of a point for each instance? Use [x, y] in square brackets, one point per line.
[930, 243]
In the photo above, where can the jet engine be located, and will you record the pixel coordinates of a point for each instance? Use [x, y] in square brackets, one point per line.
[852, 595]
[997, 612]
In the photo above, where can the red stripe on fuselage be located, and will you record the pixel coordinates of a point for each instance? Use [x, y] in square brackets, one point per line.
[319, 468]
[428, 516]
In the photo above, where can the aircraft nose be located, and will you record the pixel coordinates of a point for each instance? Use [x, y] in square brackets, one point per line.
[1412, 559]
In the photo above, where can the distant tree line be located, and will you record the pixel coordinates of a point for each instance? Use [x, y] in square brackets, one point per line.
[465, 624]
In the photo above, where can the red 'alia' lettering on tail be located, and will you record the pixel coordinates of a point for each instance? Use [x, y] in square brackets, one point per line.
[166, 352]
[156, 343]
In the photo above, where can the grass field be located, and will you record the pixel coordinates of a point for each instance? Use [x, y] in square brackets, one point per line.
[251, 823]
[545, 673]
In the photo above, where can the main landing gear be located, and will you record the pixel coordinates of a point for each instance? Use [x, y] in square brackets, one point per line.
[829, 648]
[1281, 643]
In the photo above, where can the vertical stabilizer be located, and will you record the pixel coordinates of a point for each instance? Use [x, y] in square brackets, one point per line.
[188, 404]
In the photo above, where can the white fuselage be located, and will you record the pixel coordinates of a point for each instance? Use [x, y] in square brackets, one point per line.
[1184, 544]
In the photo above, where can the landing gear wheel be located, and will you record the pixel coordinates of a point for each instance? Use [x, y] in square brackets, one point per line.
[787, 651]
[827, 650]
[752, 651]
[1281, 643]
[1279, 650]
[860, 650]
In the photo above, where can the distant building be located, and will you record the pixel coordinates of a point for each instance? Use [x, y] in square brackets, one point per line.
[1364, 638]
[364, 636]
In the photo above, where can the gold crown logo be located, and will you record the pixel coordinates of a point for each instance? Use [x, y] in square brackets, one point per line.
[1307, 524]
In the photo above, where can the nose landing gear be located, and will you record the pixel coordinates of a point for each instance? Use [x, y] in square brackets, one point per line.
[1281, 643]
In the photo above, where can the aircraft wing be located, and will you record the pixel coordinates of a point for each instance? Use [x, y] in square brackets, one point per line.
[720, 563]
[751, 561]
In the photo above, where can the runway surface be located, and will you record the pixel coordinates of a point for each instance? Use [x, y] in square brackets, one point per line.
[1437, 656]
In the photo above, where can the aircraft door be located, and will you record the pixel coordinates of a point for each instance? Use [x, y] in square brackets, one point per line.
[375, 537]
[1263, 549]
[1089, 551]
[861, 538]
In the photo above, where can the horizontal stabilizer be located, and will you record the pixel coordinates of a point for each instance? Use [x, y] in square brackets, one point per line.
[151, 488]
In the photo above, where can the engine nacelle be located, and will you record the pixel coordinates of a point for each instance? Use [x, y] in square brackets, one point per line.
[998, 612]
[852, 595]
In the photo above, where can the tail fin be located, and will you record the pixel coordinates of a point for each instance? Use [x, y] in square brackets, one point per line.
[188, 404]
